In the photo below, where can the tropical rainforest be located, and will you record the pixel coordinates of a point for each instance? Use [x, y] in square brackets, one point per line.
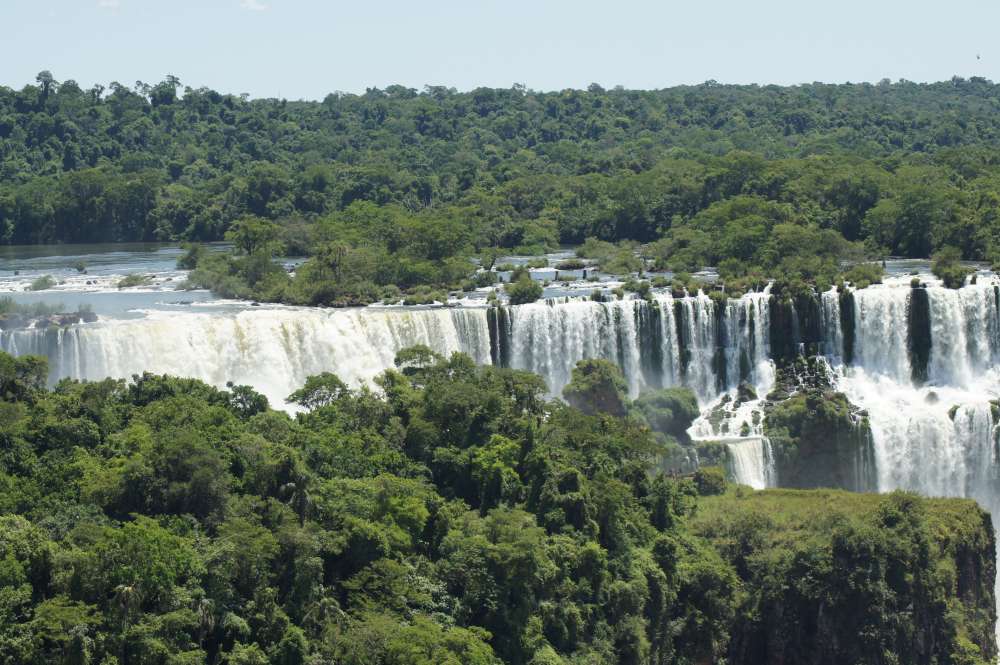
[454, 516]
[394, 190]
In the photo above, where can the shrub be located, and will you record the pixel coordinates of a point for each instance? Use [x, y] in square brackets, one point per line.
[946, 266]
[189, 259]
[484, 278]
[133, 280]
[523, 290]
[710, 480]
[42, 283]
[597, 386]
[635, 286]
[863, 275]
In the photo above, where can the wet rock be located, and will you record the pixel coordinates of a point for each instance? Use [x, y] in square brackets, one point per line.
[745, 393]
[24, 321]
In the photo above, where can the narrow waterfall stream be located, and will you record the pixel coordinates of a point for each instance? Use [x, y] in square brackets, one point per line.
[752, 462]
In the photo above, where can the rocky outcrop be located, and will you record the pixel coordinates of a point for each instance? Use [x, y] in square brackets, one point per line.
[22, 321]
[818, 437]
[918, 321]
[847, 323]
[796, 327]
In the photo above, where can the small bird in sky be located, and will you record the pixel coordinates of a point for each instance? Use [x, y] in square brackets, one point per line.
[978, 57]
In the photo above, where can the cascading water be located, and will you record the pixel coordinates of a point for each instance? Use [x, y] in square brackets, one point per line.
[831, 326]
[272, 349]
[549, 338]
[659, 343]
[751, 462]
[905, 371]
[925, 370]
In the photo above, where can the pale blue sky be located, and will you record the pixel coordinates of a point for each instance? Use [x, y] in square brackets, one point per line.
[307, 48]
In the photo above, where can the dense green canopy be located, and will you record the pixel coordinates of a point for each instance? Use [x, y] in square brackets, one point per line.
[453, 517]
[909, 166]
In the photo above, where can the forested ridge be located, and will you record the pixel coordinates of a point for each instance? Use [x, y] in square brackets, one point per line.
[453, 517]
[908, 167]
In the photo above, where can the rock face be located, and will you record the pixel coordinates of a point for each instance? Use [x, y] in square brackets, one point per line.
[796, 326]
[21, 321]
[832, 577]
[818, 437]
[918, 319]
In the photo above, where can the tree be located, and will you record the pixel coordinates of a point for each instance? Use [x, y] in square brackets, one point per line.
[946, 266]
[670, 411]
[597, 386]
[47, 83]
[320, 390]
[252, 235]
[522, 289]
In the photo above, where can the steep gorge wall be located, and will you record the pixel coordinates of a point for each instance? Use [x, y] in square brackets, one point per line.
[832, 577]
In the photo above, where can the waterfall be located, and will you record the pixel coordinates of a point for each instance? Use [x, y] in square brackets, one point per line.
[751, 462]
[272, 349]
[831, 326]
[880, 335]
[963, 327]
[670, 350]
[664, 342]
[548, 338]
[923, 363]
[927, 427]
[925, 368]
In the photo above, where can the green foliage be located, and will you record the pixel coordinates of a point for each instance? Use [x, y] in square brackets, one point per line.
[454, 516]
[42, 283]
[710, 480]
[9, 306]
[827, 575]
[905, 167]
[597, 386]
[946, 266]
[819, 438]
[133, 280]
[193, 253]
[670, 411]
[863, 275]
[522, 289]
[571, 264]
[386, 190]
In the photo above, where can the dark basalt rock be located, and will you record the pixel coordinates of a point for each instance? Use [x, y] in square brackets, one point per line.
[498, 321]
[918, 321]
[796, 327]
[819, 438]
[683, 341]
[847, 324]
[650, 332]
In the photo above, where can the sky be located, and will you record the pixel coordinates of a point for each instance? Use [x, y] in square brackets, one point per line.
[305, 49]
